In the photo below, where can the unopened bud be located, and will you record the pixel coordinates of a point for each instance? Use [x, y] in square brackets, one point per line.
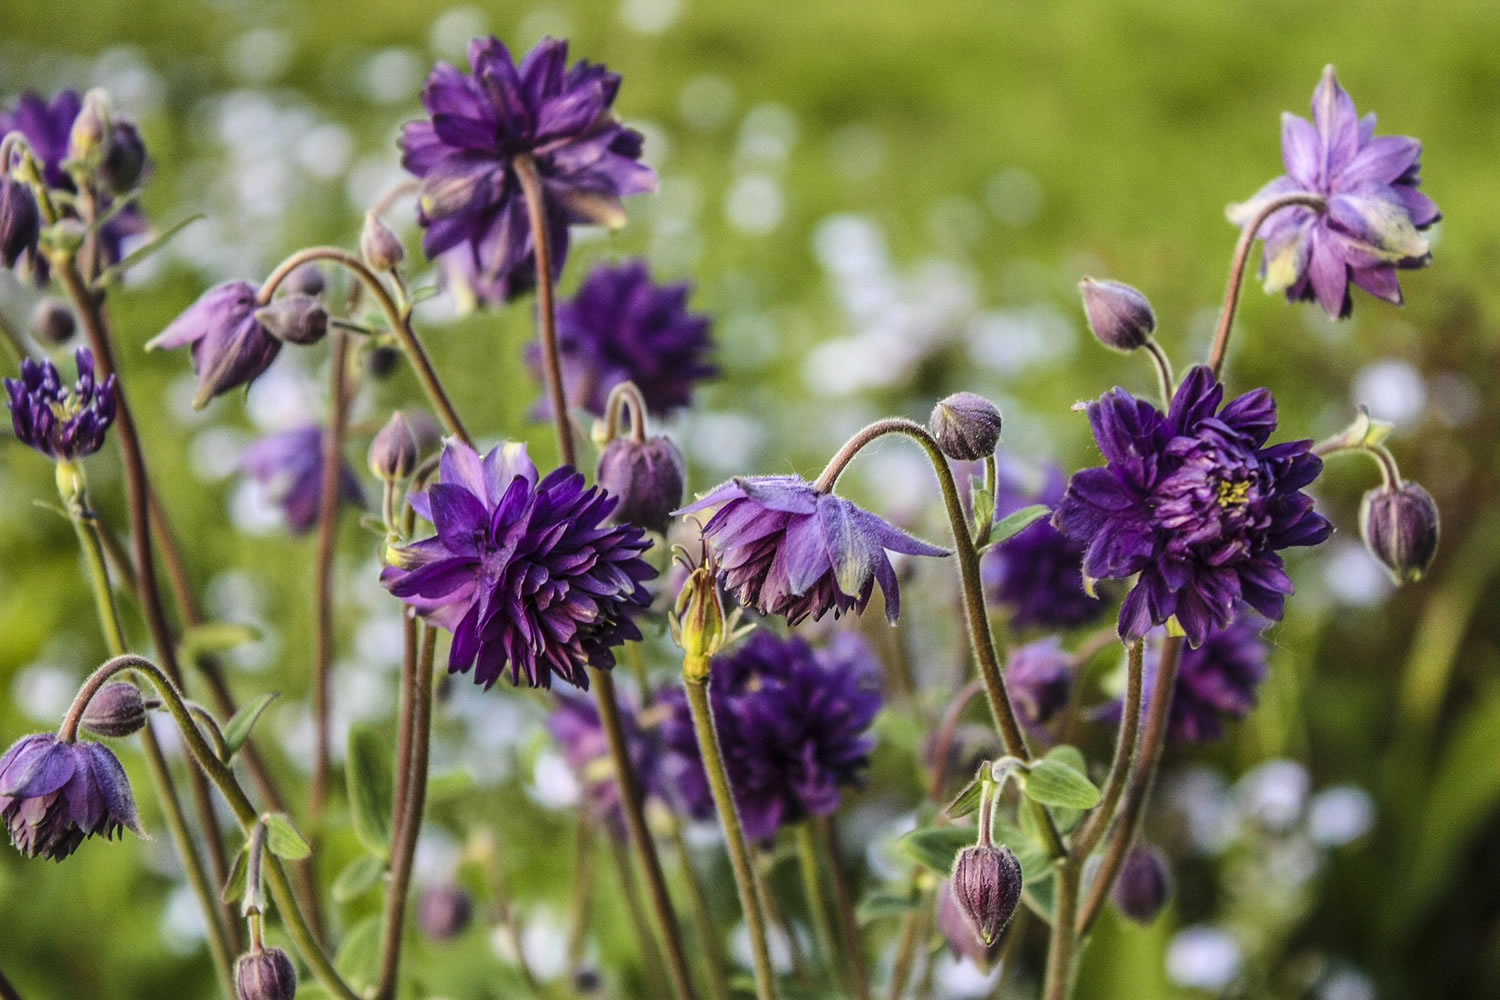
[961, 938]
[1400, 528]
[116, 710]
[307, 279]
[1118, 315]
[20, 220]
[647, 476]
[393, 453]
[91, 129]
[52, 321]
[379, 246]
[987, 888]
[265, 975]
[294, 319]
[382, 361]
[967, 426]
[1142, 888]
[698, 622]
[444, 912]
[124, 157]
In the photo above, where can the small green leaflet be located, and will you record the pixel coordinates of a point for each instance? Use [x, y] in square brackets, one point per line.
[282, 837]
[1014, 523]
[1054, 783]
[237, 731]
[368, 770]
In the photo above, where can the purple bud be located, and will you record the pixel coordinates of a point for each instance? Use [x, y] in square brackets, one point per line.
[393, 453]
[294, 319]
[265, 975]
[305, 280]
[230, 346]
[382, 361]
[960, 936]
[52, 321]
[124, 157]
[91, 129]
[116, 710]
[647, 476]
[987, 888]
[1400, 528]
[444, 912]
[20, 220]
[1118, 315]
[379, 246]
[967, 426]
[1142, 888]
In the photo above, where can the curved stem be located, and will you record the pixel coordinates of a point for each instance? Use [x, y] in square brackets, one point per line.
[624, 394]
[211, 726]
[1390, 473]
[1165, 380]
[399, 319]
[1237, 268]
[817, 903]
[541, 239]
[1119, 769]
[844, 898]
[734, 834]
[945, 733]
[1138, 791]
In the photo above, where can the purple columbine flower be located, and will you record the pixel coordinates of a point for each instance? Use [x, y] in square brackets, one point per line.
[1035, 573]
[789, 549]
[289, 466]
[1195, 503]
[1374, 217]
[230, 346]
[1039, 676]
[55, 794]
[576, 727]
[471, 202]
[60, 423]
[523, 570]
[621, 327]
[793, 723]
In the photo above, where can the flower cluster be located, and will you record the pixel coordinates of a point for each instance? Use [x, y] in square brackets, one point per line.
[60, 423]
[54, 794]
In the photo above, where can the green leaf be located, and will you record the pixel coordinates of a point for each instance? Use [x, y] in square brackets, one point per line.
[880, 905]
[1041, 895]
[282, 838]
[1066, 820]
[1053, 783]
[358, 959]
[936, 847]
[145, 250]
[215, 637]
[357, 878]
[966, 801]
[234, 887]
[1033, 857]
[368, 769]
[237, 731]
[1014, 523]
[449, 785]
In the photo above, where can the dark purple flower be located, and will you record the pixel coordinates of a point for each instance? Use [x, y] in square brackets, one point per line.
[523, 571]
[471, 202]
[1035, 573]
[793, 723]
[54, 794]
[576, 727]
[20, 220]
[789, 549]
[1195, 503]
[1039, 676]
[61, 423]
[230, 346]
[289, 466]
[1374, 217]
[621, 327]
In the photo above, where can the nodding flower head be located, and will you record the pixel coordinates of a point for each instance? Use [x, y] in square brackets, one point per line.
[229, 343]
[53, 795]
[61, 423]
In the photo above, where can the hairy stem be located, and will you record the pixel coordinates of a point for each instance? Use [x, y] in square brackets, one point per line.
[531, 188]
[1119, 769]
[1165, 380]
[817, 903]
[827, 828]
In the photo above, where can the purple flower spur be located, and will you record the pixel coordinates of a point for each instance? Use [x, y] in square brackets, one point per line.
[60, 423]
[523, 570]
[53, 795]
[1196, 503]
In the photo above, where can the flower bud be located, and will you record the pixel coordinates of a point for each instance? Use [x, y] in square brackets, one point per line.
[647, 476]
[294, 319]
[967, 426]
[1142, 888]
[379, 246]
[987, 888]
[91, 129]
[959, 935]
[444, 912]
[393, 453]
[265, 975]
[382, 361]
[699, 622]
[1118, 315]
[305, 280]
[52, 321]
[1400, 528]
[124, 157]
[20, 220]
[117, 709]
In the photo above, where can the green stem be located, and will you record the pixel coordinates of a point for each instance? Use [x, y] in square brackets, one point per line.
[531, 188]
[1061, 946]
[1119, 769]
[827, 828]
[734, 834]
[817, 903]
[15, 346]
[708, 939]
[1165, 381]
[630, 891]
[762, 862]
[583, 885]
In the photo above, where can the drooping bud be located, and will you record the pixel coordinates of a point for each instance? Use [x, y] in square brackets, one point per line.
[1400, 528]
[967, 426]
[987, 888]
[265, 975]
[294, 319]
[379, 246]
[382, 361]
[20, 220]
[52, 321]
[91, 129]
[393, 453]
[444, 912]
[1142, 888]
[116, 710]
[960, 936]
[1118, 315]
[647, 476]
[124, 157]
[305, 280]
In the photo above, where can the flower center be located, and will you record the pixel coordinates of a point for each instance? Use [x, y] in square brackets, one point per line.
[1234, 493]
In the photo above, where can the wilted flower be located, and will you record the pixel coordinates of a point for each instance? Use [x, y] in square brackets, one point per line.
[622, 327]
[576, 726]
[444, 911]
[60, 423]
[1035, 573]
[230, 346]
[289, 466]
[522, 569]
[20, 220]
[789, 549]
[648, 477]
[1400, 528]
[1195, 503]
[793, 725]
[1374, 216]
[966, 426]
[471, 201]
[1039, 676]
[116, 710]
[265, 974]
[1118, 315]
[55, 794]
[959, 932]
[1143, 885]
[986, 885]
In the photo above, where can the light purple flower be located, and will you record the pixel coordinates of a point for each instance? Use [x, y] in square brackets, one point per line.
[289, 466]
[229, 345]
[53, 795]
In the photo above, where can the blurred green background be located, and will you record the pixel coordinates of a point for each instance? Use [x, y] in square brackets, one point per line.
[879, 203]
